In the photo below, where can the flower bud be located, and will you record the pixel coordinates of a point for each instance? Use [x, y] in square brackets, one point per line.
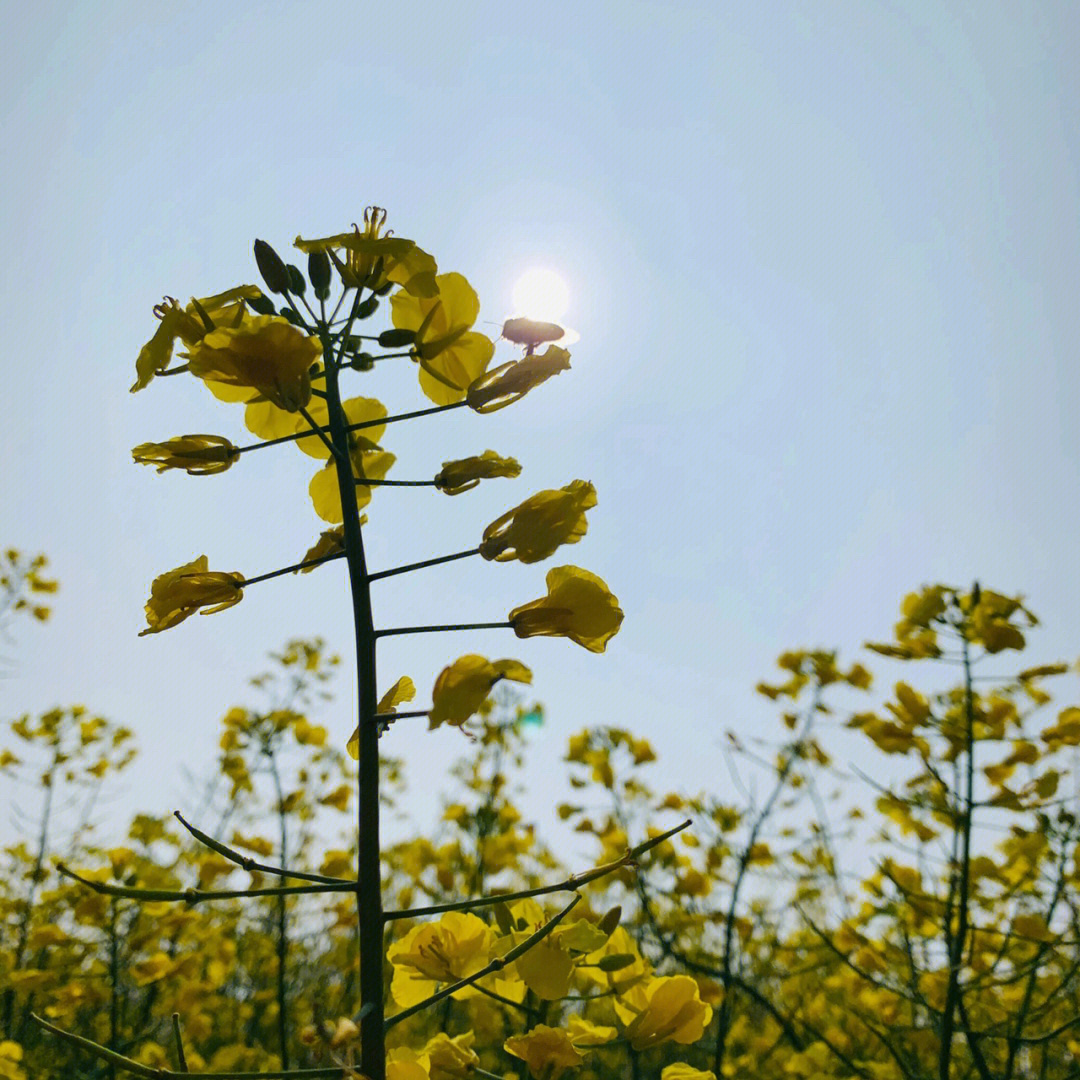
[610, 920]
[297, 283]
[262, 305]
[271, 267]
[318, 269]
[394, 339]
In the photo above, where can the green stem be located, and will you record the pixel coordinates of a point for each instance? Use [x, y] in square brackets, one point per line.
[291, 569]
[282, 919]
[425, 563]
[245, 862]
[369, 876]
[441, 629]
[181, 1057]
[114, 987]
[320, 432]
[196, 896]
[571, 884]
[151, 1072]
[958, 942]
[367, 482]
[358, 426]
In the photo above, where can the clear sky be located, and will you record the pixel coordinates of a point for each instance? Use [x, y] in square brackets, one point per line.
[823, 259]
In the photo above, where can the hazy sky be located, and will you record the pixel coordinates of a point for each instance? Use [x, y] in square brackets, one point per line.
[823, 259]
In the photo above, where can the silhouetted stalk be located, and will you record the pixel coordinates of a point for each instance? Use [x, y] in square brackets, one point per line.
[245, 862]
[422, 565]
[36, 876]
[725, 1012]
[360, 425]
[369, 877]
[282, 923]
[114, 987]
[959, 939]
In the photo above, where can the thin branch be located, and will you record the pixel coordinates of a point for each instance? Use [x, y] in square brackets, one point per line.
[249, 864]
[371, 482]
[292, 569]
[136, 1068]
[320, 432]
[181, 1057]
[196, 896]
[353, 427]
[442, 629]
[422, 565]
[571, 884]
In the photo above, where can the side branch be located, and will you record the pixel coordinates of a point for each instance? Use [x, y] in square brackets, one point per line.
[571, 884]
[196, 896]
[137, 1068]
[442, 629]
[245, 862]
[351, 427]
[423, 565]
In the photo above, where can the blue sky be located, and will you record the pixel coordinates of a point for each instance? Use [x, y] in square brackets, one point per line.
[823, 260]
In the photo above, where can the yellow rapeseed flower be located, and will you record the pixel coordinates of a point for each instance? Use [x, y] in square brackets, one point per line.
[508, 383]
[266, 354]
[401, 260]
[405, 1064]
[330, 542]
[533, 530]
[464, 474]
[547, 1051]
[578, 605]
[324, 491]
[451, 1058]
[181, 592]
[452, 356]
[668, 1009]
[463, 686]
[187, 325]
[199, 455]
[434, 953]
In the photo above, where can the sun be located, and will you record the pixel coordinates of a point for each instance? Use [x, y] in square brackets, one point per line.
[541, 295]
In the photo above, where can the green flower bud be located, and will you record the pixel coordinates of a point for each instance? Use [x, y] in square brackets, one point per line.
[271, 267]
[394, 339]
[297, 284]
[318, 269]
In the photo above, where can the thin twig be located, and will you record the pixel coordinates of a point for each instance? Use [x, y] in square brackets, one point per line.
[249, 864]
[196, 896]
[571, 884]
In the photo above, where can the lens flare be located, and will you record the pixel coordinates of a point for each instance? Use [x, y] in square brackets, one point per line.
[541, 295]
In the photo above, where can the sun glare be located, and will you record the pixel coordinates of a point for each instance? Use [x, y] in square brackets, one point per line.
[541, 295]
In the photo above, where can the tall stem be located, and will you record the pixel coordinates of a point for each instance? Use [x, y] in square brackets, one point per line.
[282, 918]
[369, 881]
[958, 941]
